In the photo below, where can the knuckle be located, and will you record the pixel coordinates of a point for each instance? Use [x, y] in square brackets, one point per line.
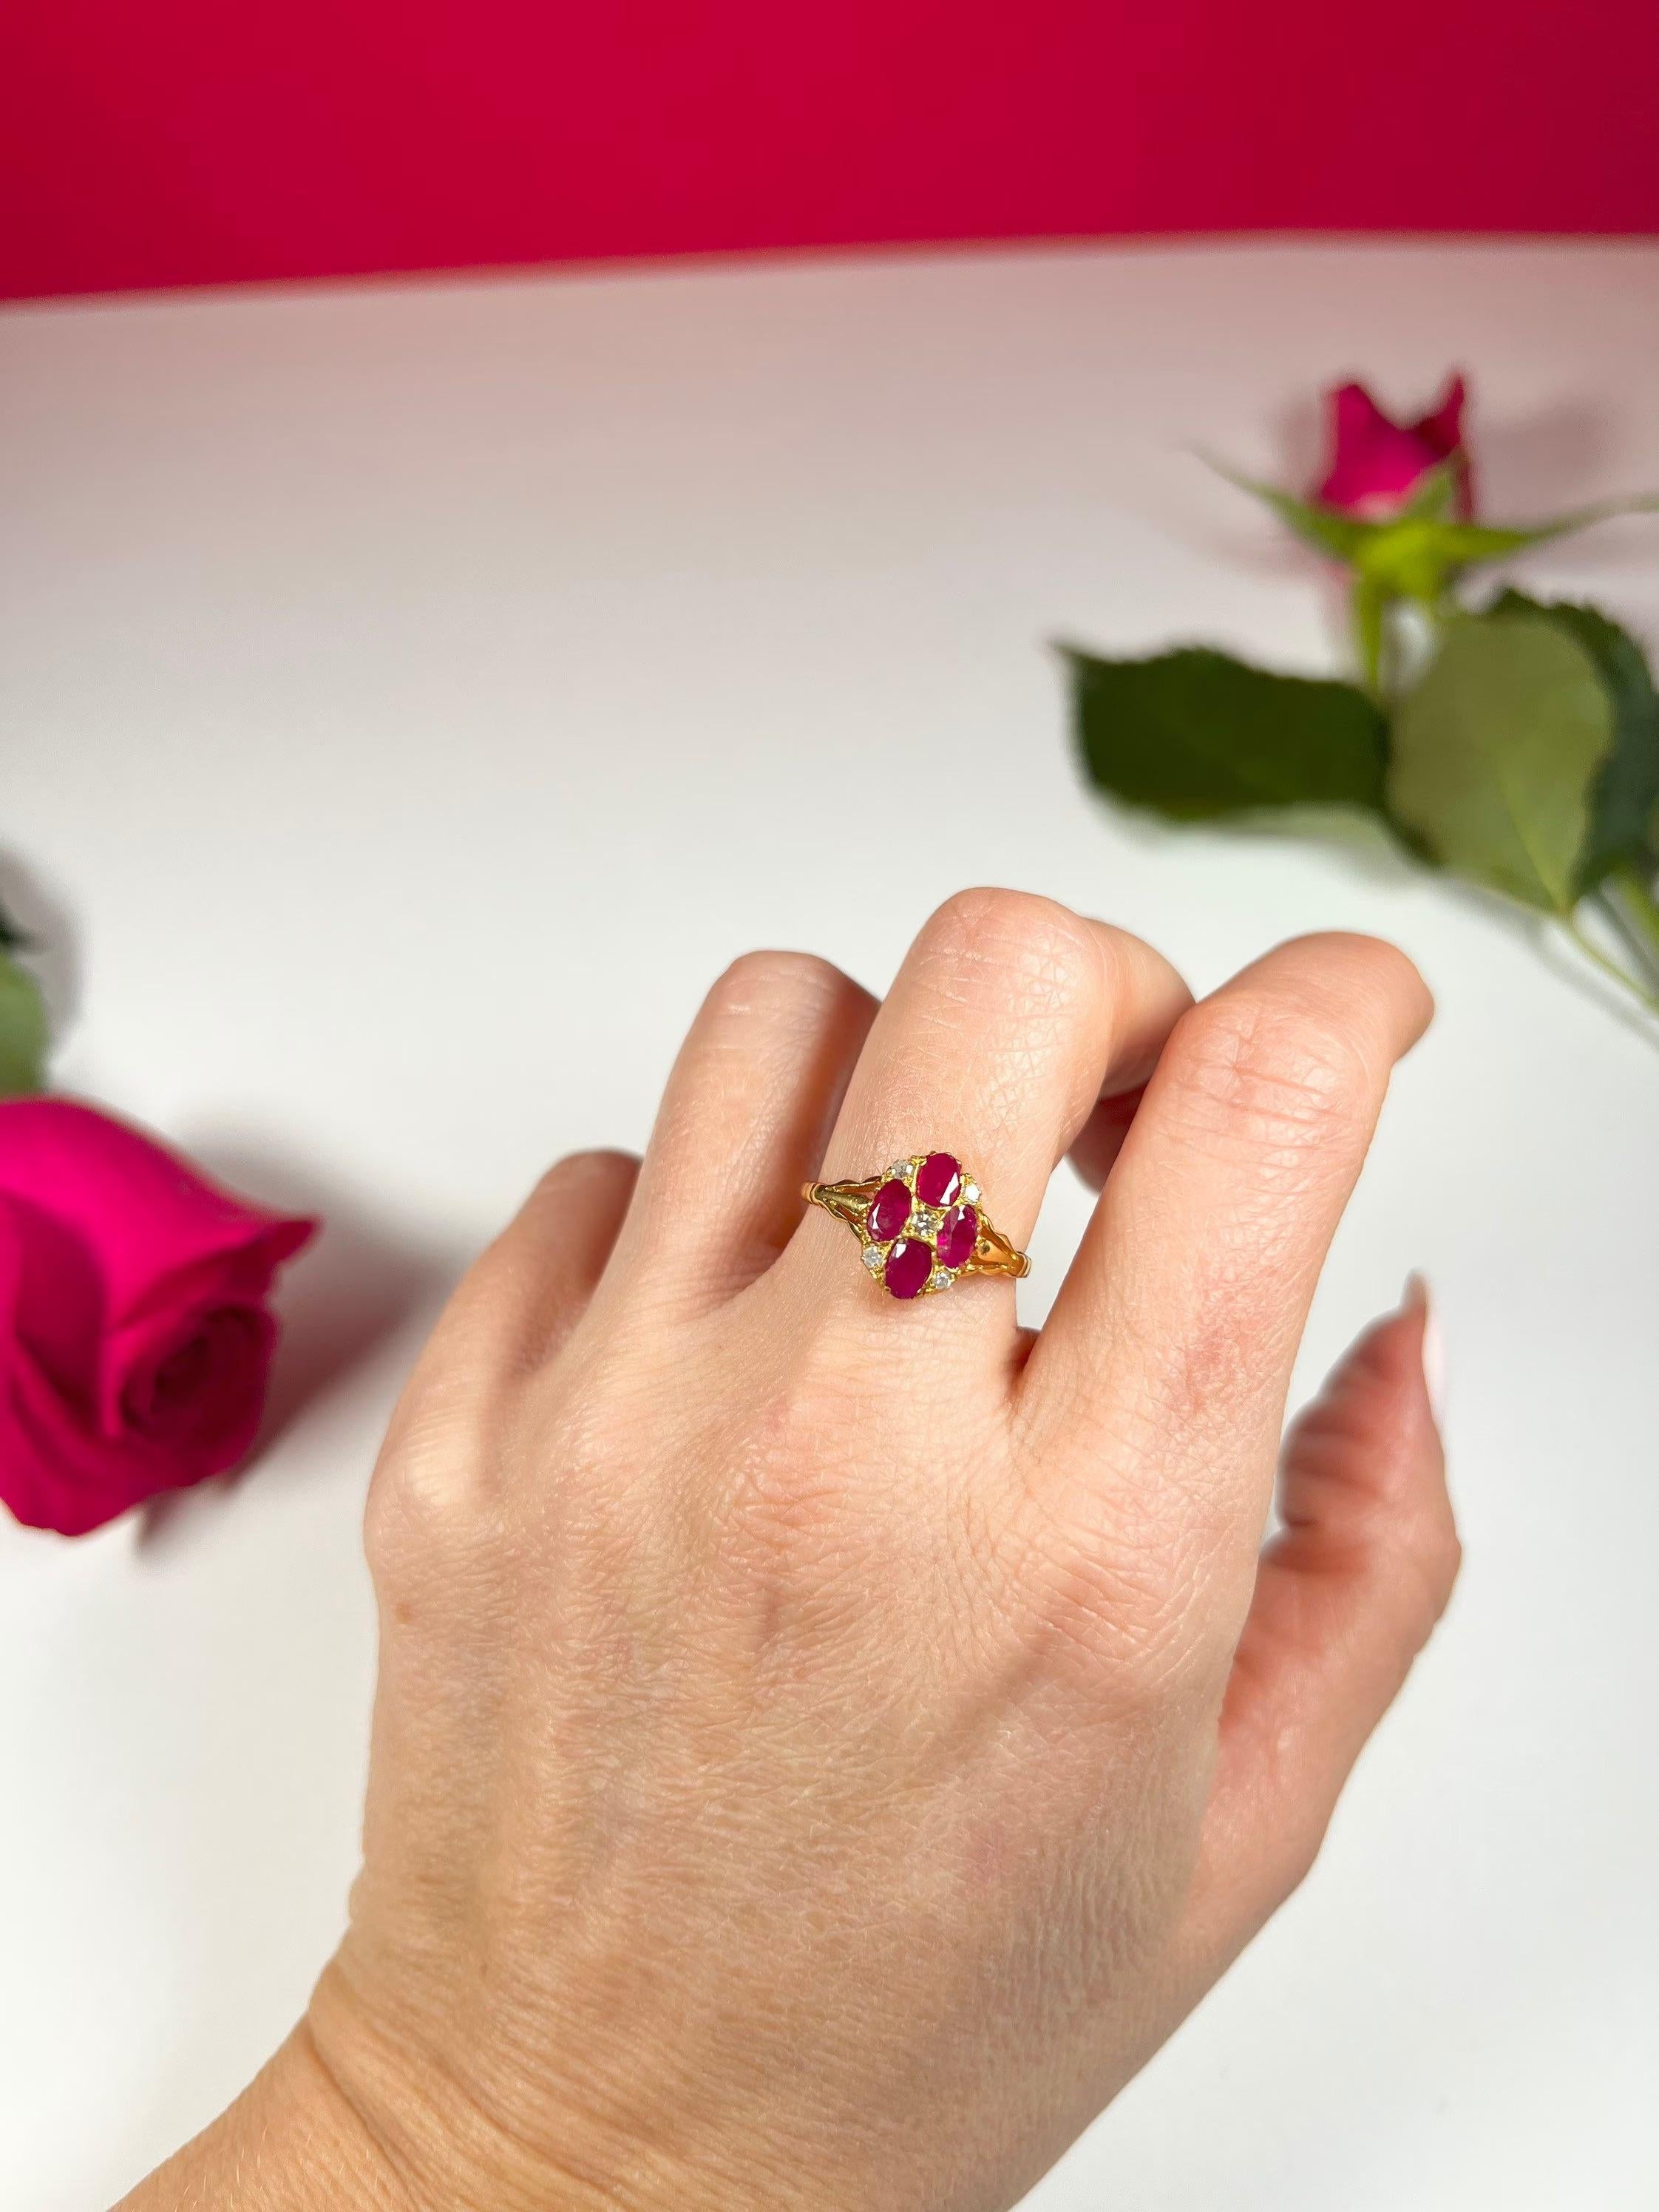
[1010, 950]
[1449, 1563]
[1299, 1853]
[427, 1505]
[764, 979]
[1367, 970]
[387, 1533]
[1437, 1559]
[1285, 1070]
[600, 1166]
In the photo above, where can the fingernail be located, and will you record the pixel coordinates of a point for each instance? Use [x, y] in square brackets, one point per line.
[1434, 1347]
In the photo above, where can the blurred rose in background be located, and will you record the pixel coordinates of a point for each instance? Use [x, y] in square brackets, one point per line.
[1375, 462]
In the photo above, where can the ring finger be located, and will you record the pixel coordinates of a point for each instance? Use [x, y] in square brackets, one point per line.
[1009, 1019]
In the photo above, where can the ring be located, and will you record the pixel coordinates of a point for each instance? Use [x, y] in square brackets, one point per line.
[923, 1226]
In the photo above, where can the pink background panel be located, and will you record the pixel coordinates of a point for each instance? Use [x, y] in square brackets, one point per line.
[196, 142]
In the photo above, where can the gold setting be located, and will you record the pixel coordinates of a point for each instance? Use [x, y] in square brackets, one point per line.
[993, 1254]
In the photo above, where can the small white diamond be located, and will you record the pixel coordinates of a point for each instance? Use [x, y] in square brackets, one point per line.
[899, 1171]
[924, 1222]
[874, 1258]
[940, 1280]
[970, 1193]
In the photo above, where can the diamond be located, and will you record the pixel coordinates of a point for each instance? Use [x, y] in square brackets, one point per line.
[925, 1221]
[970, 1193]
[940, 1280]
[874, 1258]
[899, 1171]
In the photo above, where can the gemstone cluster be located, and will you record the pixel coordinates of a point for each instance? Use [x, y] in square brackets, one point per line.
[922, 1225]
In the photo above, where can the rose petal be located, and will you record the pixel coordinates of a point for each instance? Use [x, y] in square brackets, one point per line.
[1375, 461]
[1442, 431]
[117, 1227]
[135, 1345]
[192, 1383]
[55, 1473]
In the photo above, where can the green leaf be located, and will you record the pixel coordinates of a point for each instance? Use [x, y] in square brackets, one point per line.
[1194, 735]
[22, 1031]
[1627, 795]
[1415, 553]
[1496, 754]
[1469, 542]
[1327, 529]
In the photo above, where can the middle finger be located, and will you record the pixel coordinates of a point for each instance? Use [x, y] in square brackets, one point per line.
[1009, 1018]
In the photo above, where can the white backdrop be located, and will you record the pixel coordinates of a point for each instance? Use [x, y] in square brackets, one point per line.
[409, 698]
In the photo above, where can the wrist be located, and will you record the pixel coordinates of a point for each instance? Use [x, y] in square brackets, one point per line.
[441, 2124]
[461, 2131]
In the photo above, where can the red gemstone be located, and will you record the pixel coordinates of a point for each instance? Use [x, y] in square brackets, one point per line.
[910, 1264]
[889, 1212]
[959, 1233]
[939, 1180]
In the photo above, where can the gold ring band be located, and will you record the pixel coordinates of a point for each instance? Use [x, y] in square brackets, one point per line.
[922, 1225]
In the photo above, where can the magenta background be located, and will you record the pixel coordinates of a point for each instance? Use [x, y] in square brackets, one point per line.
[197, 141]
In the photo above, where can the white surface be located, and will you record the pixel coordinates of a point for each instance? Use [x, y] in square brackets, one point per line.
[409, 697]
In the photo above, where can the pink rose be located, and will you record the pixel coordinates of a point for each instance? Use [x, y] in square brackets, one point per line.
[134, 1338]
[1375, 461]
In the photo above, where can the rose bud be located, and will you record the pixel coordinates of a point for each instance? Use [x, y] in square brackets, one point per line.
[1376, 461]
[135, 1336]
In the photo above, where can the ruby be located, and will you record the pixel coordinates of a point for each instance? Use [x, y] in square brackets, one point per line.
[939, 1180]
[910, 1264]
[959, 1233]
[890, 1210]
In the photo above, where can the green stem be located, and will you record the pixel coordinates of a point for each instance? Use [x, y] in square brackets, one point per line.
[1636, 985]
[1628, 897]
[1368, 609]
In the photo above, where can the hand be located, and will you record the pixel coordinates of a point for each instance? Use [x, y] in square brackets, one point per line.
[823, 1745]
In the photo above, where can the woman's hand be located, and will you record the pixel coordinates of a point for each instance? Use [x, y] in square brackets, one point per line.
[823, 1745]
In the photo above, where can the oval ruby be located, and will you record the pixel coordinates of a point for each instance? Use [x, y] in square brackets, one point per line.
[910, 1264]
[890, 1210]
[959, 1233]
[939, 1180]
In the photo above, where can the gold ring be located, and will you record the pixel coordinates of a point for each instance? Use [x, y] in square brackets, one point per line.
[923, 1226]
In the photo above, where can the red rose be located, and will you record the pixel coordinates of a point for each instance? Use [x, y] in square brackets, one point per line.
[1375, 461]
[134, 1338]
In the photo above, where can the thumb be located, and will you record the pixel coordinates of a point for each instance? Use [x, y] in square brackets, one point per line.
[1347, 1596]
